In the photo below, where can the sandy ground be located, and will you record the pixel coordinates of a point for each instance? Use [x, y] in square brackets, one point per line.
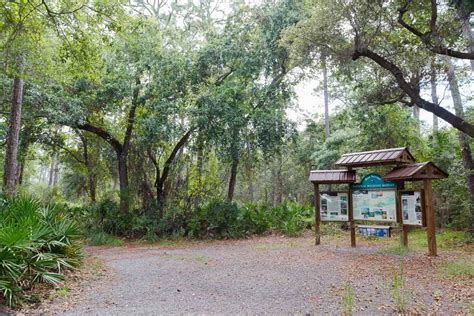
[264, 275]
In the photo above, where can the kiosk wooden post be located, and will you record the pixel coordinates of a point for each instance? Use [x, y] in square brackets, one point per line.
[430, 218]
[351, 218]
[403, 228]
[317, 215]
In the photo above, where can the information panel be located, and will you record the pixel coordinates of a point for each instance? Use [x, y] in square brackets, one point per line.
[334, 206]
[375, 205]
[411, 208]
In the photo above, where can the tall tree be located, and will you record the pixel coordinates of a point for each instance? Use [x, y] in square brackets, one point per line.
[434, 95]
[13, 135]
[326, 95]
[463, 139]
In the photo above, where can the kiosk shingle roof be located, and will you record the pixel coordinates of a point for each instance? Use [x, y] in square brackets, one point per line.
[418, 171]
[332, 176]
[389, 156]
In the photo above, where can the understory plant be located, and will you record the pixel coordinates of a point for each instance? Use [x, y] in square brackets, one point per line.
[37, 243]
[399, 290]
[348, 299]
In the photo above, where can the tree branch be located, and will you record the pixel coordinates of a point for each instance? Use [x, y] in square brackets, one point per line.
[105, 135]
[173, 154]
[427, 38]
[455, 121]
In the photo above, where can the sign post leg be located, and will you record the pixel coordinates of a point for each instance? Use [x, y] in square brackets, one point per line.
[351, 219]
[430, 219]
[317, 215]
[403, 228]
[405, 236]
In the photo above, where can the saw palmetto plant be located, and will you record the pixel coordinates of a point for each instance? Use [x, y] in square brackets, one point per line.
[37, 243]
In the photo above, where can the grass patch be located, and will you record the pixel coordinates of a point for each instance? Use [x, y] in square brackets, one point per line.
[62, 292]
[446, 239]
[417, 241]
[457, 269]
[103, 239]
[348, 299]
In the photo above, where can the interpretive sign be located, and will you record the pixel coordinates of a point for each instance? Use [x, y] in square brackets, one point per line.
[375, 199]
[411, 208]
[334, 206]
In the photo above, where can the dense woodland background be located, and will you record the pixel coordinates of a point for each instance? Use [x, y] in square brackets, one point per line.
[169, 117]
[159, 119]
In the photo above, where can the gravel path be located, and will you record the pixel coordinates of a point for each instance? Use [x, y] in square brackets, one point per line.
[266, 275]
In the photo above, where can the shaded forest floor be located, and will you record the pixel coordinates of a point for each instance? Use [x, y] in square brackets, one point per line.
[271, 274]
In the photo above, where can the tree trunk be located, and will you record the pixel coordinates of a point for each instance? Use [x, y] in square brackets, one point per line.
[326, 96]
[160, 196]
[56, 173]
[92, 185]
[233, 179]
[416, 116]
[123, 182]
[463, 139]
[13, 133]
[434, 96]
[21, 171]
[464, 16]
[279, 183]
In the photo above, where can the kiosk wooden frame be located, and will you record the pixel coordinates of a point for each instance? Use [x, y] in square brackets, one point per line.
[406, 169]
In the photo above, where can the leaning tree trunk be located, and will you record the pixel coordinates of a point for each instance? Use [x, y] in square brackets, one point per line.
[463, 140]
[13, 134]
[233, 179]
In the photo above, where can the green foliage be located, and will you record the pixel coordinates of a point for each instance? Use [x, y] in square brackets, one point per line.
[216, 219]
[348, 299]
[100, 238]
[37, 243]
[399, 291]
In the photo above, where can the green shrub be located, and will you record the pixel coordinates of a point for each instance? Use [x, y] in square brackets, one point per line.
[222, 220]
[36, 244]
[100, 238]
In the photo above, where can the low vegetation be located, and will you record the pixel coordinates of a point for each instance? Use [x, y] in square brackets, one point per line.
[37, 244]
[460, 268]
[216, 219]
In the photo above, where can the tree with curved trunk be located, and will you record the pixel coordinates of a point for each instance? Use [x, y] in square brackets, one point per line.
[121, 148]
[161, 176]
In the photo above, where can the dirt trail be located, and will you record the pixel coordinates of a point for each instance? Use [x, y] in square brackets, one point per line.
[266, 275]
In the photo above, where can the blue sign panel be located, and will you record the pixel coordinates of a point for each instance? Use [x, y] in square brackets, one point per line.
[373, 181]
[374, 231]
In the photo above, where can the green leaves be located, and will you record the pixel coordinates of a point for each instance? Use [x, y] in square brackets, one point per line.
[36, 244]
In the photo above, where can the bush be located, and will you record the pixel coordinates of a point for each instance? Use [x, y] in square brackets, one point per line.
[221, 219]
[216, 219]
[37, 243]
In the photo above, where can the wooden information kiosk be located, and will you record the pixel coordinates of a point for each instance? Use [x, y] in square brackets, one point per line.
[380, 199]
